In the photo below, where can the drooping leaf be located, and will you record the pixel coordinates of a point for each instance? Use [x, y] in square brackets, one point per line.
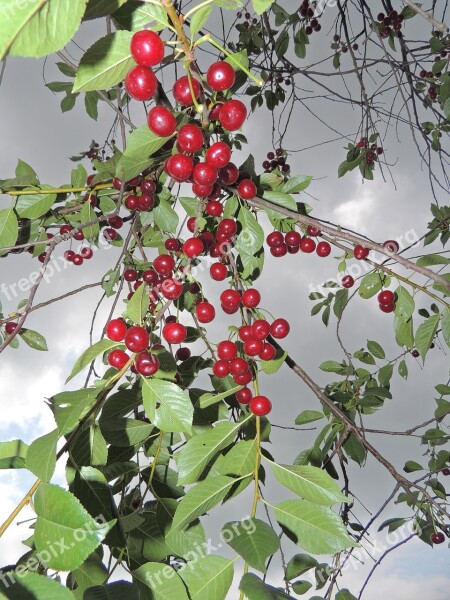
[33, 206]
[163, 581]
[253, 539]
[91, 354]
[255, 589]
[33, 339]
[425, 334]
[12, 454]
[41, 456]
[208, 577]
[167, 406]
[9, 228]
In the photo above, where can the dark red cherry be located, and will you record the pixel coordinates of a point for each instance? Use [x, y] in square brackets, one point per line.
[193, 247]
[141, 83]
[239, 366]
[204, 174]
[244, 396]
[148, 186]
[137, 339]
[183, 354]
[230, 298]
[130, 275]
[146, 364]
[171, 288]
[227, 350]
[228, 226]
[313, 231]
[164, 264]
[391, 246]
[213, 208]
[78, 260]
[387, 308]
[182, 92]
[347, 281]
[190, 138]
[246, 332]
[10, 327]
[118, 359]
[220, 76]
[179, 167]
[229, 174]
[69, 255]
[205, 312]
[115, 222]
[172, 244]
[275, 239]
[251, 298]
[218, 271]
[161, 122]
[132, 202]
[260, 329]
[244, 379]
[279, 251]
[268, 352]
[307, 245]
[253, 346]
[437, 537]
[293, 238]
[247, 189]
[386, 297]
[150, 276]
[146, 48]
[116, 330]
[323, 249]
[360, 253]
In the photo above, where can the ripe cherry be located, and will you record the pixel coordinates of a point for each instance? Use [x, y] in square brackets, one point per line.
[164, 264]
[251, 298]
[171, 288]
[244, 396]
[232, 115]
[292, 238]
[65, 229]
[115, 222]
[179, 167]
[239, 366]
[227, 350]
[78, 260]
[387, 308]
[132, 202]
[148, 186]
[190, 224]
[182, 92]
[116, 330]
[141, 83]
[253, 347]
[118, 359]
[172, 244]
[229, 174]
[68, 255]
[161, 122]
[260, 406]
[247, 189]
[150, 276]
[183, 354]
[147, 48]
[347, 281]
[243, 379]
[204, 174]
[279, 251]
[146, 364]
[220, 76]
[202, 191]
[313, 231]
[268, 352]
[110, 234]
[213, 208]
[386, 297]
[205, 312]
[218, 155]
[78, 235]
[323, 249]
[174, 333]
[360, 253]
[307, 245]
[137, 339]
[391, 246]
[445, 471]
[228, 226]
[275, 239]
[279, 328]
[10, 327]
[190, 138]
[221, 368]
[230, 298]
[246, 332]
[260, 329]
[193, 247]
[437, 537]
[130, 275]
[218, 271]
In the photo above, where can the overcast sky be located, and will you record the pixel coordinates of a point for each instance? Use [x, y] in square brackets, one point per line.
[34, 130]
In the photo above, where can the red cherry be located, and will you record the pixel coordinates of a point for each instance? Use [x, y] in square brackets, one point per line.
[218, 271]
[244, 396]
[359, 252]
[164, 264]
[190, 224]
[146, 364]
[227, 350]
[228, 226]
[391, 246]
[347, 281]
[174, 333]
[246, 332]
[229, 174]
[130, 275]
[10, 327]
[230, 298]
[132, 202]
[205, 312]
[268, 352]
[68, 255]
[136, 339]
[246, 189]
[221, 368]
[77, 260]
[279, 251]
[279, 328]
[193, 247]
[171, 288]
[307, 245]
[243, 379]
[232, 115]
[253, 346]
[323, 249]
[78, 235]
[172, 244]
[313, 231]
[182, 92]
[190, 138]
[437, 537]
[213, 208]
[147, 48]
[179, 167]
[293, 249]
[275, 239]
[148, 186]
[293, 238]
[116, 330]
[141, 83]
[251, 298]
[218, 155]
[183, 354]
[239, 366]
[260, 406]
[386, 297]
[220, 76]
[90, 179]
[161, 122]
[207, 238]
[204, 174]
[202, 191]
[260, 329]
[150, 276]
[387, 308]
[118, 359]
[110, 234]
[115, 222]
[65, 229]
[214, 111]
[171, 319]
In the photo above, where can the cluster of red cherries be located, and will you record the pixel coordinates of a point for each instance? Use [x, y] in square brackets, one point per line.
[343, 46]
[371, 152]
[387, 24]
[307, 11]
[276, 160]
[293, 242]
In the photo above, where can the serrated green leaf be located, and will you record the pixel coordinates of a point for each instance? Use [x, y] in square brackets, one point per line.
[255, 589]
[165, 217]
[167, 406]
[164, 582]
[404, 304]
[198, 19]
[33, 206]
[137, 305]
[280, 199]
[91, 354]
[299, 564]
[403, 369]
[370, 285]
[376, 349]
[411, 466]
[101, 8]
[41, 456]
[445, 324]
[308, 416]
[135, 16]
[210, 577]
[70, 407]
[35, 587]
[9, 228]
[12, 454]
[141, 145]
[425, 334]
[253, 539]
[87, 215]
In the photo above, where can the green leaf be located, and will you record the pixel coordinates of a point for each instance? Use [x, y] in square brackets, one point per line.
[208, 577]
[280, 199]
[317, 529]
[78, 177]
[70, 407]
[238, 461]
[91, 354]
[123, 432]
[33, 206]
[190, 205]
[209, 399]
[255, 589]
[251, 238]
[164, 582]
[105, 63]
[87, 214]
[137, 305]
[61, 517]
[404, 304]
[370, 285]
[201, 498]
[311, 483]
[9, 228]
[141, 145]
[32, 29]
[331, 366]
[198, 19]
[165, 217]
[432, 259]
[101, 8]
[403, 369]
[167, 406]
[411, 466]
[344, 594]
[297, 184]
[41, 456]
[308, 416]
[30, 586]
[404, 332]
[445, 324]
[376, 349]
[272, 366]
[201, 449]
[12, 454]
[23, 170]
[34, 339]
[425, 334]
[135, 16]
[252, 539]
[299, 564]
[113, 591]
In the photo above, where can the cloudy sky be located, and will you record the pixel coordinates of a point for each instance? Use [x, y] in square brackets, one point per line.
[34, 130]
